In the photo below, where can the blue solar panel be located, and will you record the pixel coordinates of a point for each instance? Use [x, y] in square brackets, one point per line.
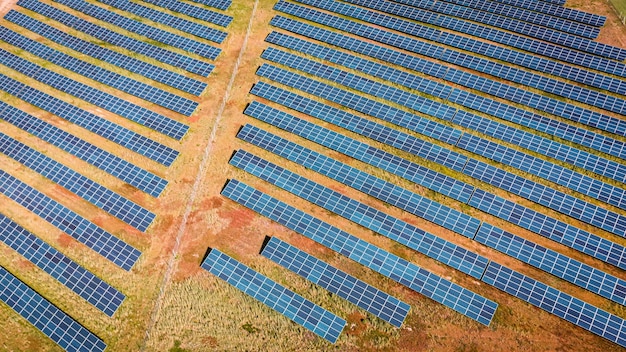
[558, 231]
[559, 11]
[151, 32]
[94, 237]
[420, 206]
[153, 72]
[336, 281]
[364, 215]
[192, 11]
[555, 263]
[102, 197]
[447, 11]
[218, 4]
[190, 27]
[189, 64]
[584, 315]
[527, 98]
[73, 276]
[549, 197]
[115, 80]
[413, 172]
[295, 307]
[423, 149]
[118, 167]
[412, 101]
[545, 20]
[507, 112]
[133, 112]
[441, 290]
[562, 152]
[116, 133]
[46, 317]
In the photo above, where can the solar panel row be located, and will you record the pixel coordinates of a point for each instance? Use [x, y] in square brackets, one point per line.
[559, 11]
[423, 149]
[218, 4]
[66, 271]
[100, 158]
[583, 51]
[102, 197]
[336, 281]
[414, 172]
[46, 317]
[444, 13]
[550, 261]
[527, 140]
[507, 112]
[555, 263]
[406, 273]
[136, 113]
[295, 307]
[558, 231]
[584, 315]
[553, 22]
[549, 197]
[538, 101]
[94, 237]
[192, 11]
[366, 216]
[552, 172]
[153, 72]
[423, 207]
[116, 133]
[184, 25]
[115, 80]
[101, 33]
[177, 41]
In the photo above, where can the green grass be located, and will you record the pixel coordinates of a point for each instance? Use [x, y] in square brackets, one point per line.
[620, 8]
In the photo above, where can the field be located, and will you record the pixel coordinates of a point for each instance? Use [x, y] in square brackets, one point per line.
[172, 304]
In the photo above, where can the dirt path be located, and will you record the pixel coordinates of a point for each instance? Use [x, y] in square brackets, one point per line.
[171, 266]
[5, 6]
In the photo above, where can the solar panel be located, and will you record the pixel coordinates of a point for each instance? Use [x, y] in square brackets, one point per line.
[541, 102]
[584, 315]
[559, 11]
[153, 72]
[189, 64]
[94, 237]
[414, 172]
[441, 290]
[179, 23]
[115, 80]
[154, 33]
[555, 263]
[133, 112]
[218, 4]
[510, 134]
[421, 206]
[102, 197]
[424, 149]
[558, 231]
[66, 271]
[290, 304]
[507, 112]
[118, 167]
[193, 11]
[364, 215]
[336, 281]
[562, 152]
[545, 20]
[115, 133]
[46, 317]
